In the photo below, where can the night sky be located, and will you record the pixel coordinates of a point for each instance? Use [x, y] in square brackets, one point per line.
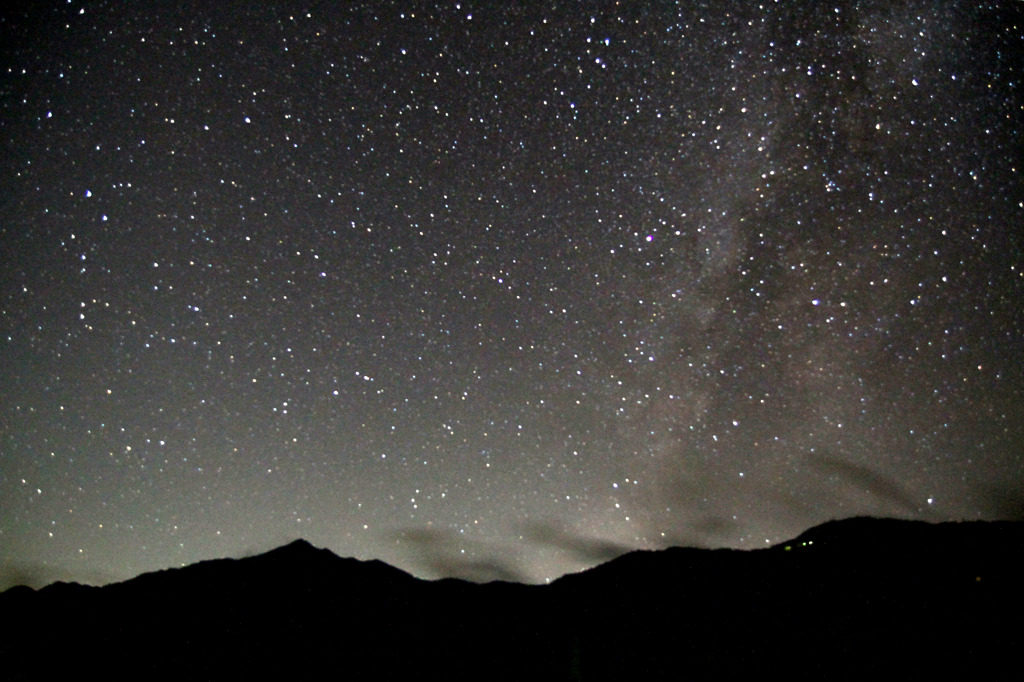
[498, 292]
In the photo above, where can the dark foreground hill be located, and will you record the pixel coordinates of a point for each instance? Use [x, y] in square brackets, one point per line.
[848, 600]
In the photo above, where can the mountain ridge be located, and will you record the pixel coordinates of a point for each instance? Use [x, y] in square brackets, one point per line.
[860, 596]
[850, 532]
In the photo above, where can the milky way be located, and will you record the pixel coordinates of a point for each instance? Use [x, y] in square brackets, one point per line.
[501, 292]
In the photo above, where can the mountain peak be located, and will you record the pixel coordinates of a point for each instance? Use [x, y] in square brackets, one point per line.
[298, 548]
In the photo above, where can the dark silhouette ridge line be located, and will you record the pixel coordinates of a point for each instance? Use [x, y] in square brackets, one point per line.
[849, 599]
[847, 533]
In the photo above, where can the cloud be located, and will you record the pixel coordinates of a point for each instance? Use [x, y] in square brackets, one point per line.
[863, 478]
[447, 554]
[584, 549]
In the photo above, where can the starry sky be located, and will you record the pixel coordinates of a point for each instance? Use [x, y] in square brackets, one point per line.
[501, 290]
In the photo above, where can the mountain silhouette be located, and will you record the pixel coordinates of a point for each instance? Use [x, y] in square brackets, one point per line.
[847, 599]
